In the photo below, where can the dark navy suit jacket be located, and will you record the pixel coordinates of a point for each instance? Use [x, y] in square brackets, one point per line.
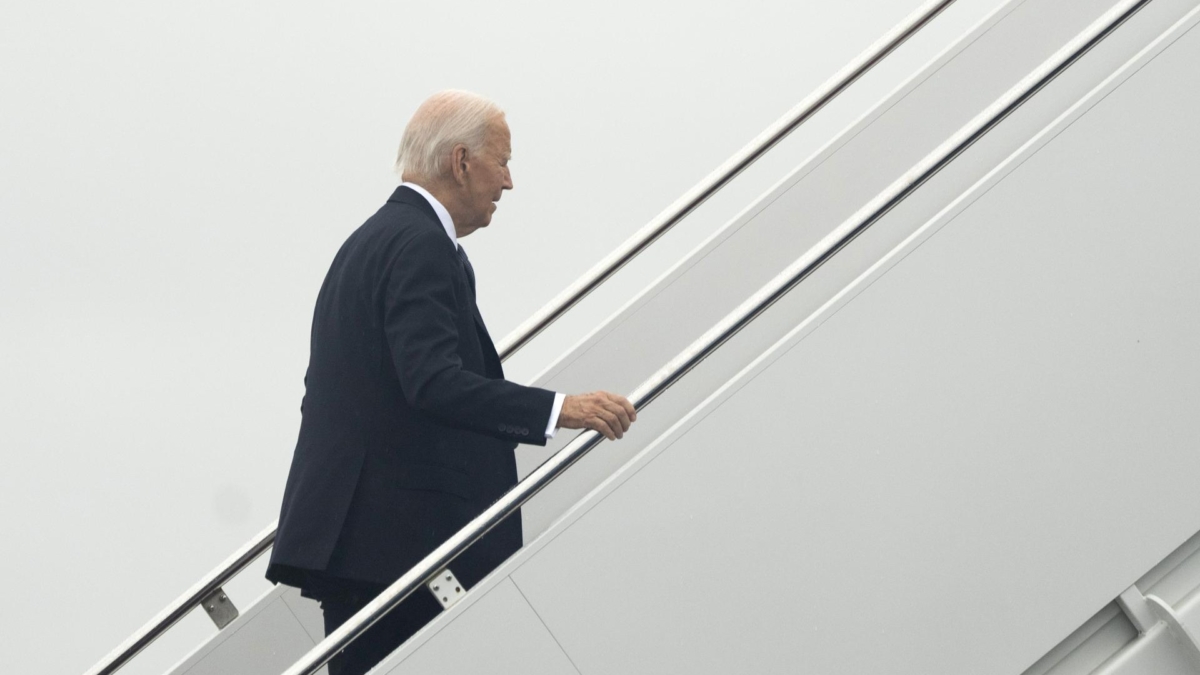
[408, 427]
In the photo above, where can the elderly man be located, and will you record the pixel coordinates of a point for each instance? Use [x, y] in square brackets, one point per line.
[408, 426]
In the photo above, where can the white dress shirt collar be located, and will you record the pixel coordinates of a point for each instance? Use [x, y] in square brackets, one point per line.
[442, 214]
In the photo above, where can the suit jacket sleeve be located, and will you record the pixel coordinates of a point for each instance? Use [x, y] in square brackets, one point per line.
[421, 308]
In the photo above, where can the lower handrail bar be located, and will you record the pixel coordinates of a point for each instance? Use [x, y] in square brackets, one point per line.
[729, 326]
[172, 613]
[581, 288]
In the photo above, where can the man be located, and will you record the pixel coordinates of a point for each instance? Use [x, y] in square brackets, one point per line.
[408, 426]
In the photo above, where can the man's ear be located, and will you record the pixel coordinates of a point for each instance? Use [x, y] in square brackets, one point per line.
[459, 163]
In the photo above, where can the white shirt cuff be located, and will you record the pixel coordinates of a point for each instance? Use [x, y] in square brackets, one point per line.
[555, 410]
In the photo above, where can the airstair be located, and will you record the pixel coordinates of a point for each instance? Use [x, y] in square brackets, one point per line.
[929, 405]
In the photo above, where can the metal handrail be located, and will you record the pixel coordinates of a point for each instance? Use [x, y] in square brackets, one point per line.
[169, 616]
[571, 296]
[729, 326]
[721, 176]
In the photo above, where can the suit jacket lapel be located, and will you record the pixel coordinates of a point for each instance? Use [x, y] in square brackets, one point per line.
[485, 340]
[490, 357]
[405, 195]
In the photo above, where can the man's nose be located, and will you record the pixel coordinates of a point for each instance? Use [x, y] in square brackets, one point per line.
[508, 184]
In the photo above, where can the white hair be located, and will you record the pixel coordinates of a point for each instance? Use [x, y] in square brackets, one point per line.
[444, 120]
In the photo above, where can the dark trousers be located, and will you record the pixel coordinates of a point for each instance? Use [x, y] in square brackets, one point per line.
[381, 639]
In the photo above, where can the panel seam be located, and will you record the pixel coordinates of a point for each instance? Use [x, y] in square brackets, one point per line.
[543, 621]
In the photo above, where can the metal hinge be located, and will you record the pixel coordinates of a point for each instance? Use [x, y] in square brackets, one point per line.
[1147, 612]
[219, 608]
[446, 588]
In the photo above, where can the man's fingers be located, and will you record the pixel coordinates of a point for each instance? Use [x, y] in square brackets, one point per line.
[621, 407]
[625, 406]
[613, 423]
[619, 411]
[597, 424]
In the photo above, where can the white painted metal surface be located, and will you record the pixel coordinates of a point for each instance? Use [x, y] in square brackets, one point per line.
[986, 437]
[783, 222]
[1139, 634]
[825, 191]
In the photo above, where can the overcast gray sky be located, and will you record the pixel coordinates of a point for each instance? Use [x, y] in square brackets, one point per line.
[176, 178]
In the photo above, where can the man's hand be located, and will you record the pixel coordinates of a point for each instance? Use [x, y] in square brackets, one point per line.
[609, 414]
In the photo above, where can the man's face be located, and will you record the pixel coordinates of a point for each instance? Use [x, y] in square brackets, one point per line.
[488, 176]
